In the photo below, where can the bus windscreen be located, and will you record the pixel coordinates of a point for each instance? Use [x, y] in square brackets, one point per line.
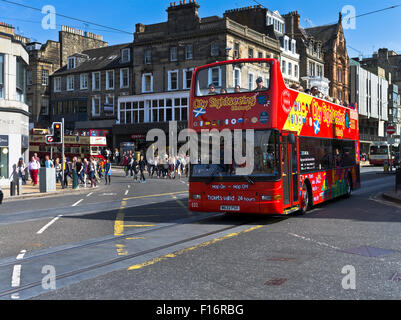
[230, 78]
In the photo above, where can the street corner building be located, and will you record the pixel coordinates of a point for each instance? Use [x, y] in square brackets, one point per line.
[14, 115]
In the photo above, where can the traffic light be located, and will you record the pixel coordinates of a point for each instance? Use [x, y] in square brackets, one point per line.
[57, 132]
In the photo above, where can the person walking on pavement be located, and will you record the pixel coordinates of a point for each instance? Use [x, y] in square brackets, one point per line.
[80, 170]
[48, 162]
[67, 171]
[58, 171]
[142, 165]
[21, 170]
[107, 171]
[92, 170]
[74, 173]
[33, 168]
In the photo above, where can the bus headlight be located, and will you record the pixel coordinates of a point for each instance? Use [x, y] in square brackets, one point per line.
[196, 196]
[270, 198]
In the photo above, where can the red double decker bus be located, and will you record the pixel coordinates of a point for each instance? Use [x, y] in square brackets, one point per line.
[305, 149]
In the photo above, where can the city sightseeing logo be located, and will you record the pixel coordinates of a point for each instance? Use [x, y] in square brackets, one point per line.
[243, 103]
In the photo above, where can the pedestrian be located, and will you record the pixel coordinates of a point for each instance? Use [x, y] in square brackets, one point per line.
[33, 168]
[92, 170]
[67, 171]
[107, 173]
[21, 170]
[74, 173]
[48, 162]
[142, 165]
[80, 170]
[117, 156]
[57, 165]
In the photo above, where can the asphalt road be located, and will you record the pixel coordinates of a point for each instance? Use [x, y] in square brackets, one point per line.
[139, 241]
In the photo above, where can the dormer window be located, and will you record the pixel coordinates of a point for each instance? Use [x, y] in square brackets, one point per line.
[71, 63]
[125, 55]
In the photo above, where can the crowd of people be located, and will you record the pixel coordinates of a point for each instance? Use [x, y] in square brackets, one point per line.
[314, 91]
[160, 167]
[79, 172]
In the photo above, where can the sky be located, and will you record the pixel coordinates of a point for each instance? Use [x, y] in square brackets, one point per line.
[371, 32]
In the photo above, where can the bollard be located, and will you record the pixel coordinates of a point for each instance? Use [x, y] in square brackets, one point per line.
[12, 188]
[397, 179]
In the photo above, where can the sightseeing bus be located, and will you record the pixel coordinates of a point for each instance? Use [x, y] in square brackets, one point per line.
[381, 152]
[83, 144]
[305, 149]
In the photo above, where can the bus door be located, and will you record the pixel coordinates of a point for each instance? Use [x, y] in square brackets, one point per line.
[290, 176]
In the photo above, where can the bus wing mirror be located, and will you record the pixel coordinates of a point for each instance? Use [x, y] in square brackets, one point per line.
[291, 138]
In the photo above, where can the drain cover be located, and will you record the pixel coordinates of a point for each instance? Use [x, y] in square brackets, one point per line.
[369, 251]
[275, 281]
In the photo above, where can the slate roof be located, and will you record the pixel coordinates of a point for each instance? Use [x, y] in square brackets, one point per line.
[98, 59]
[327, 34]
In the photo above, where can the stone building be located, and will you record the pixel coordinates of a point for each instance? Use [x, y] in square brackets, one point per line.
[272, 24]
[165, 55]
[85, 91]
[369, 91]
[311, 56]
[14, 115]
[336, 61]
[45, 59]
[387, 63]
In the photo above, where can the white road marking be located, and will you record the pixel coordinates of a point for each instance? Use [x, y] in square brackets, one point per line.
[16, 279]
[126, 192]
[49, 224]
[21, 255]
[314, 241]
[89, 194]
[15, 296]
[129, 186]
[77, 203]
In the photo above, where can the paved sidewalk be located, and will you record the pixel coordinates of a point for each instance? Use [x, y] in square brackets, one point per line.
[392, 195]
[30, 191]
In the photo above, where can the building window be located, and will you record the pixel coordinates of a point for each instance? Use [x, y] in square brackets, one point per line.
[44, 110]
[124, 78]
[109, 105]
[290, 69]
[71, 63]
[286, 41]
[296, 71]
[125, 55]
[84, 80]
[293, 46]
[45, 77]
[236, 50]
[148, 56]
[173, 54]
[95, 106]
[215, 76]
[172, 80]
[21, 80]
[250, 53]
[283, 66]
[57, 84]
[70, 83]
[311, 69]
[237, 77]
[187, 78]
[339, 74]
[251, 78]
[1, 75]
[96, 81]
[214, 49]
[189, 52]
[29, 77]
[109, 79]
[147, 82]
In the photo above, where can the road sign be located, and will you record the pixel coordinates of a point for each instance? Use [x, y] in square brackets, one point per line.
[49, 139]
[390, 130]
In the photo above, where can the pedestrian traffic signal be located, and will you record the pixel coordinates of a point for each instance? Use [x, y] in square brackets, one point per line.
[57, 132]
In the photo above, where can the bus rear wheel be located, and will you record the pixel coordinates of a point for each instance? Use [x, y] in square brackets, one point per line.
[304, 204]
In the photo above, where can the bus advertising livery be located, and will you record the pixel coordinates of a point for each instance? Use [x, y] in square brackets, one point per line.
[305, 150]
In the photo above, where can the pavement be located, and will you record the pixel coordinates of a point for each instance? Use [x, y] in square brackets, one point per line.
[31, 191]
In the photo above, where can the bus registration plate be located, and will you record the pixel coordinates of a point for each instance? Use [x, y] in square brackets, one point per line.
[229, 208]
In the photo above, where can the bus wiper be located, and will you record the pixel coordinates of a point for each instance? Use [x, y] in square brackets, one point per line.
[212, 175]
[249, 179]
